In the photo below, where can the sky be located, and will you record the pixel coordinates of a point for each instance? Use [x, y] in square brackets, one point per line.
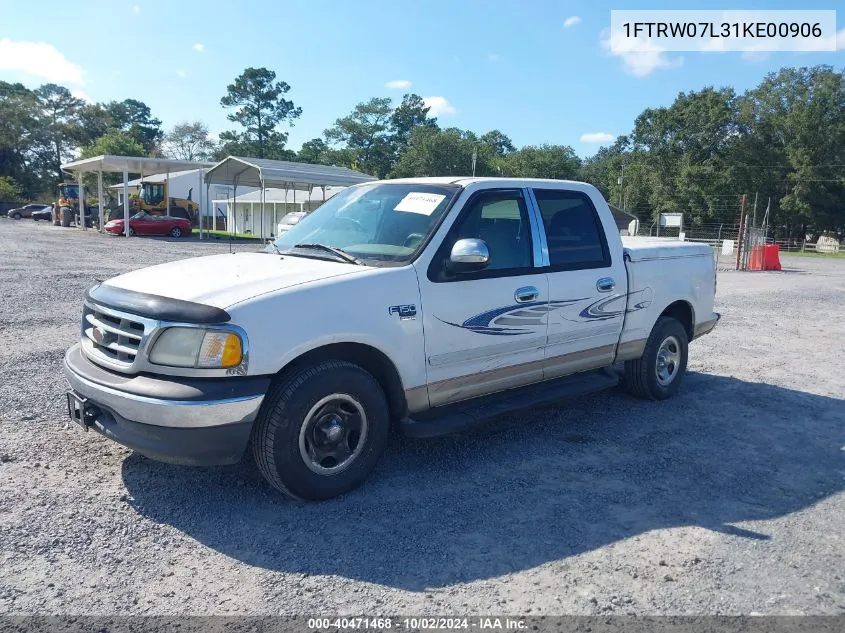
[539, 71]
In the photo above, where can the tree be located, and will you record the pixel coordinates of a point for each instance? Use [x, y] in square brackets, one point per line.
[497, 143]
[261, 108]
[135, 118]
[115, 143]
[189, 141]
[410, 114]
[365, 133]
[94, 121]
[542, 161]
[10, 191]
[20, 133]
[315, 151]
[434, 152]
[61, 114]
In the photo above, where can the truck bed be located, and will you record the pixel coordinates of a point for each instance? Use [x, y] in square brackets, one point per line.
[639, 249]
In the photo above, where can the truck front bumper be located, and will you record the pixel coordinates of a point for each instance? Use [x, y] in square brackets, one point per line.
[200, 422]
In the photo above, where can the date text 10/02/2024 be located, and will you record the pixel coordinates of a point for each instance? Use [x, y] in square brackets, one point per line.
[415, 624]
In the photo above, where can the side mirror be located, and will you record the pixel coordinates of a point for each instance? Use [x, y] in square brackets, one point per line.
[467, 256]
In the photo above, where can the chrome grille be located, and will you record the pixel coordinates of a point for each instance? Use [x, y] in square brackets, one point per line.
[113, 338]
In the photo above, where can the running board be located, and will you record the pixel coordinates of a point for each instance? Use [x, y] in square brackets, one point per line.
[461, 416]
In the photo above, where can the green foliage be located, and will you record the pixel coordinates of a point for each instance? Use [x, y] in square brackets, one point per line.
[20, 134]
[784, 139]
[260, 109]
[116, 143]
[315, 151]
[60, 112]
[10, 191]
[410, 114]
[135, 118]
[435, 152]
[365, 132]
[543, 161]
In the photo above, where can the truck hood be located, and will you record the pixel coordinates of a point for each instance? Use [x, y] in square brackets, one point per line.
[224, 280]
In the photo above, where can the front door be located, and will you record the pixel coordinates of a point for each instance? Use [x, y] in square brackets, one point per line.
[587, 285]
[485, 331]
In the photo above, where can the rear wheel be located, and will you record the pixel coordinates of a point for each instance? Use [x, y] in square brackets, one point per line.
[65, 213]
[321, 430]
[658, 374]
[176, 232]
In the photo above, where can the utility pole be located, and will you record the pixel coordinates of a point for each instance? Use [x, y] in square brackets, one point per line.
[619, 182]
[741, 229]
[474, 159]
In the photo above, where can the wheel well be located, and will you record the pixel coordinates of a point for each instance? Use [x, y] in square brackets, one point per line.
[370, 359]
[682, 311]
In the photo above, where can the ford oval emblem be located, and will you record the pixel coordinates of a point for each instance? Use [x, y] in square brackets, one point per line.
[98, 335]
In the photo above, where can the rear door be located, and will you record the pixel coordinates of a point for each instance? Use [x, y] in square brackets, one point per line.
[485, 331]
[587, 281]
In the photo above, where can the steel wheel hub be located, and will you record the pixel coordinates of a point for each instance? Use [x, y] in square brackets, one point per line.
[668, 361]
[333, 434]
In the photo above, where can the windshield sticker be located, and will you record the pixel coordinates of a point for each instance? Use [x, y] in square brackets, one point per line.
[416, 202]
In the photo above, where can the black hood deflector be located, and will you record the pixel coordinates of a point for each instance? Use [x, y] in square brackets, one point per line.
[156, 307]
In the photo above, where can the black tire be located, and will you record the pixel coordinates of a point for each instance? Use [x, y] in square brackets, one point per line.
[644, 378]
[65, 213]
[129, 232]
[292, 409]
[17, 216]
[176, 232]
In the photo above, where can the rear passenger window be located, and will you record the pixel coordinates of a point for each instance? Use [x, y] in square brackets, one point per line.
[573, 230]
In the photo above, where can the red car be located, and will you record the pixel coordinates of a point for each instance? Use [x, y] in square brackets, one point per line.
[142, 223]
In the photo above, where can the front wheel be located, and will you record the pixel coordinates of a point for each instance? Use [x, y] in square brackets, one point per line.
[176, 232]
[321, 430]
[130, 232]
[17, 216]
[658, 374]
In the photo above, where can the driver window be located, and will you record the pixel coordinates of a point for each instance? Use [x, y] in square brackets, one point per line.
[501, 220]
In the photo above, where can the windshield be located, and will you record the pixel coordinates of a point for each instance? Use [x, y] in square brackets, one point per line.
[383, 222]
[141, 215]
[151, 193]
[69, 191]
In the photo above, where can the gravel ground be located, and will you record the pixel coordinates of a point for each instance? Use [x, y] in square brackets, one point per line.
[725, 500]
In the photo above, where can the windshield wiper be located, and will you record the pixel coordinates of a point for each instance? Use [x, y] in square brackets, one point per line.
[331, 249]
[275, 248]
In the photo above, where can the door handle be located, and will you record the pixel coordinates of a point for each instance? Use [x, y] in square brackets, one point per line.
[528, 293]
[605, 284]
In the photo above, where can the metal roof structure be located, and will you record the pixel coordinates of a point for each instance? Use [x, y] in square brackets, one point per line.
[133, 164]
[280, 174]
[319, 194]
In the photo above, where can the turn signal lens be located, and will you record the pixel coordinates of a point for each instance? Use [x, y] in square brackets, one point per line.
[220, 349]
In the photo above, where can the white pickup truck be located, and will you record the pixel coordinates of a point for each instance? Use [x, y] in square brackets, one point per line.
[422, 305]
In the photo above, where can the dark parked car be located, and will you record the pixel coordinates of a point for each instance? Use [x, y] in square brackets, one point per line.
[43, 214]
[25, 211]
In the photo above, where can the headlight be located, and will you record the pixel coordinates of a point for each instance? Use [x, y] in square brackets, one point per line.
[197, 347]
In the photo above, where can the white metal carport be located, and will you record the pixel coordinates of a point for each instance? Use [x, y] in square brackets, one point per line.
[264, 173]
[273, 204]
[125, 165]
